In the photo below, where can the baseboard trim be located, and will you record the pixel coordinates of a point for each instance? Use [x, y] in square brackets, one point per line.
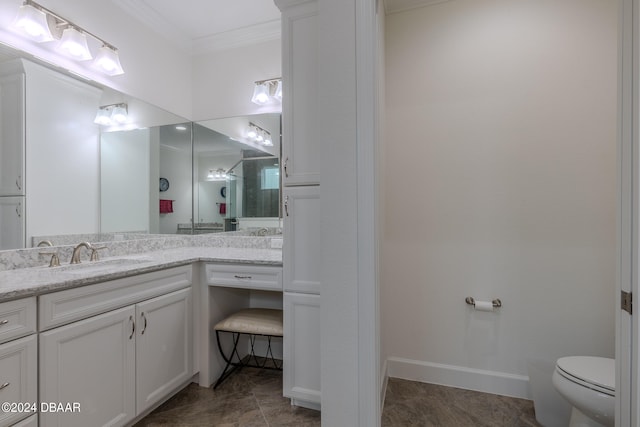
[385, 381]
[459, 376]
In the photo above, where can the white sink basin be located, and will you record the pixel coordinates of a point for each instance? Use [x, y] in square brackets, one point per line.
[100, 266]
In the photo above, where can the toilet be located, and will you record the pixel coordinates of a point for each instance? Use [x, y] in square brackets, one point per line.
[588, 383]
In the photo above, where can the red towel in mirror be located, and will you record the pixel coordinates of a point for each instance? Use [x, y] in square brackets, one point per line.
[166, 206]
[223, 208]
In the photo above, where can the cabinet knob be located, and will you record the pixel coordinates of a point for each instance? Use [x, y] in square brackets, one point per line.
[242, 277]
[286, 206]
[19, 210]
[18, 182]
[284, 166]
[4, 322]
[5, 385]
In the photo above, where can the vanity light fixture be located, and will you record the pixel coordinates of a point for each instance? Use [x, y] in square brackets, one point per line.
[257, 134]
[43, 25]
[266, 91]
[112, 114]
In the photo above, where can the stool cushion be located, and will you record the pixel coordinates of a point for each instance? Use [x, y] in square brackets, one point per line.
[258, 321]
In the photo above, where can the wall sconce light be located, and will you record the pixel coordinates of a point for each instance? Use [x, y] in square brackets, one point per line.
[42, 25]
[257, 134]
[265, 91]
[113, 114]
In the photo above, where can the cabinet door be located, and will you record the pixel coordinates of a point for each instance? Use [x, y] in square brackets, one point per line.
[300, 129]
[11, 223]
[18, 376]
[12, 131]
[90, 362]
[301, 250]
[164, 346]
[301, 375]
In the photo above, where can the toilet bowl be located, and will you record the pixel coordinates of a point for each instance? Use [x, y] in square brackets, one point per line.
[588, 383]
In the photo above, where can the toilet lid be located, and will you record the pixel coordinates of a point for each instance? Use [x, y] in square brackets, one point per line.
[598, 371]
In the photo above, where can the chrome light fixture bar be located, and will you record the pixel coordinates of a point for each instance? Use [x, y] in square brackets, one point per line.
[43, 25]
[266, 91]
[257, 134]
[112, 114]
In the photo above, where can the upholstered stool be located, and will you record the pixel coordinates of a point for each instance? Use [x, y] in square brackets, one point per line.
[253, 322]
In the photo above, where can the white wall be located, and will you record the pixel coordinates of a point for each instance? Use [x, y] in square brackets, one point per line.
[500, 166]
[149, 61]
[223, 80]
[175, 165]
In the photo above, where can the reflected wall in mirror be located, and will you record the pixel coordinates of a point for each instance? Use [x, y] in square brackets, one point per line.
[236, 178]
[133, 163]
[212, 171]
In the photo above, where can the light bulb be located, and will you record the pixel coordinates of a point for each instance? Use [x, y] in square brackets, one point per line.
[33, 23]
[74, 44]
[119, 114]
[103, 117]
[108, 61]
[252, 133]
[260, 94]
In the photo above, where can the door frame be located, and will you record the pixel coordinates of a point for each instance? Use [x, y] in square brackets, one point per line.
[628, 212]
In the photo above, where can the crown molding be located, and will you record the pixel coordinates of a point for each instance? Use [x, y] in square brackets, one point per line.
[140, 10]
[397, 6]
[246, 36]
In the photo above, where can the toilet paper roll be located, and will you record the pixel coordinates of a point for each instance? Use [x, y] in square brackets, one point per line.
[484, 306]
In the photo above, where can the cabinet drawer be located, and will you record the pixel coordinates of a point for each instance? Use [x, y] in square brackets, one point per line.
[17, 318]
[64, 307]
[18, 376]
[245, 276]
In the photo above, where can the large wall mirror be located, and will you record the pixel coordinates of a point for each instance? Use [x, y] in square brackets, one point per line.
[191, 178]
[80, 178]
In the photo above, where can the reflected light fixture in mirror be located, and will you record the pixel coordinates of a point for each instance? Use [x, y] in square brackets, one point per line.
[266, 91]
[113, 114]
[218, 175]
[40, 24]
[257, 134]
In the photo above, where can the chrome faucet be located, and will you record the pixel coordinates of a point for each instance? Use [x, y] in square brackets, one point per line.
[75, 257]
[44, 243]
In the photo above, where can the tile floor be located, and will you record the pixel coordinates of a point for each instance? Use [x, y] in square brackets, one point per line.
[252, 397]
[410, 403]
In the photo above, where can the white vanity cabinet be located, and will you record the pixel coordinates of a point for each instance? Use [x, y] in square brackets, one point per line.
[12, 225]
[300, 129]
[18, 357]
[119, 363]
[301, 198]
[12, 132]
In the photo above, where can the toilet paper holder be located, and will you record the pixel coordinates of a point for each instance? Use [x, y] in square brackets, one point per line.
[496, 302]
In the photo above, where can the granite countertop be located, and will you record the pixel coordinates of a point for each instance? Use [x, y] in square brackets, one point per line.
[24, 282]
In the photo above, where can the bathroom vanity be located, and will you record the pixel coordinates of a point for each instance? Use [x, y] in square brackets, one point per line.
[110, 340]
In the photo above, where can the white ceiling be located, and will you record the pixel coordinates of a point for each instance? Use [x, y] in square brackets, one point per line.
[201, 25]
[204, 25]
